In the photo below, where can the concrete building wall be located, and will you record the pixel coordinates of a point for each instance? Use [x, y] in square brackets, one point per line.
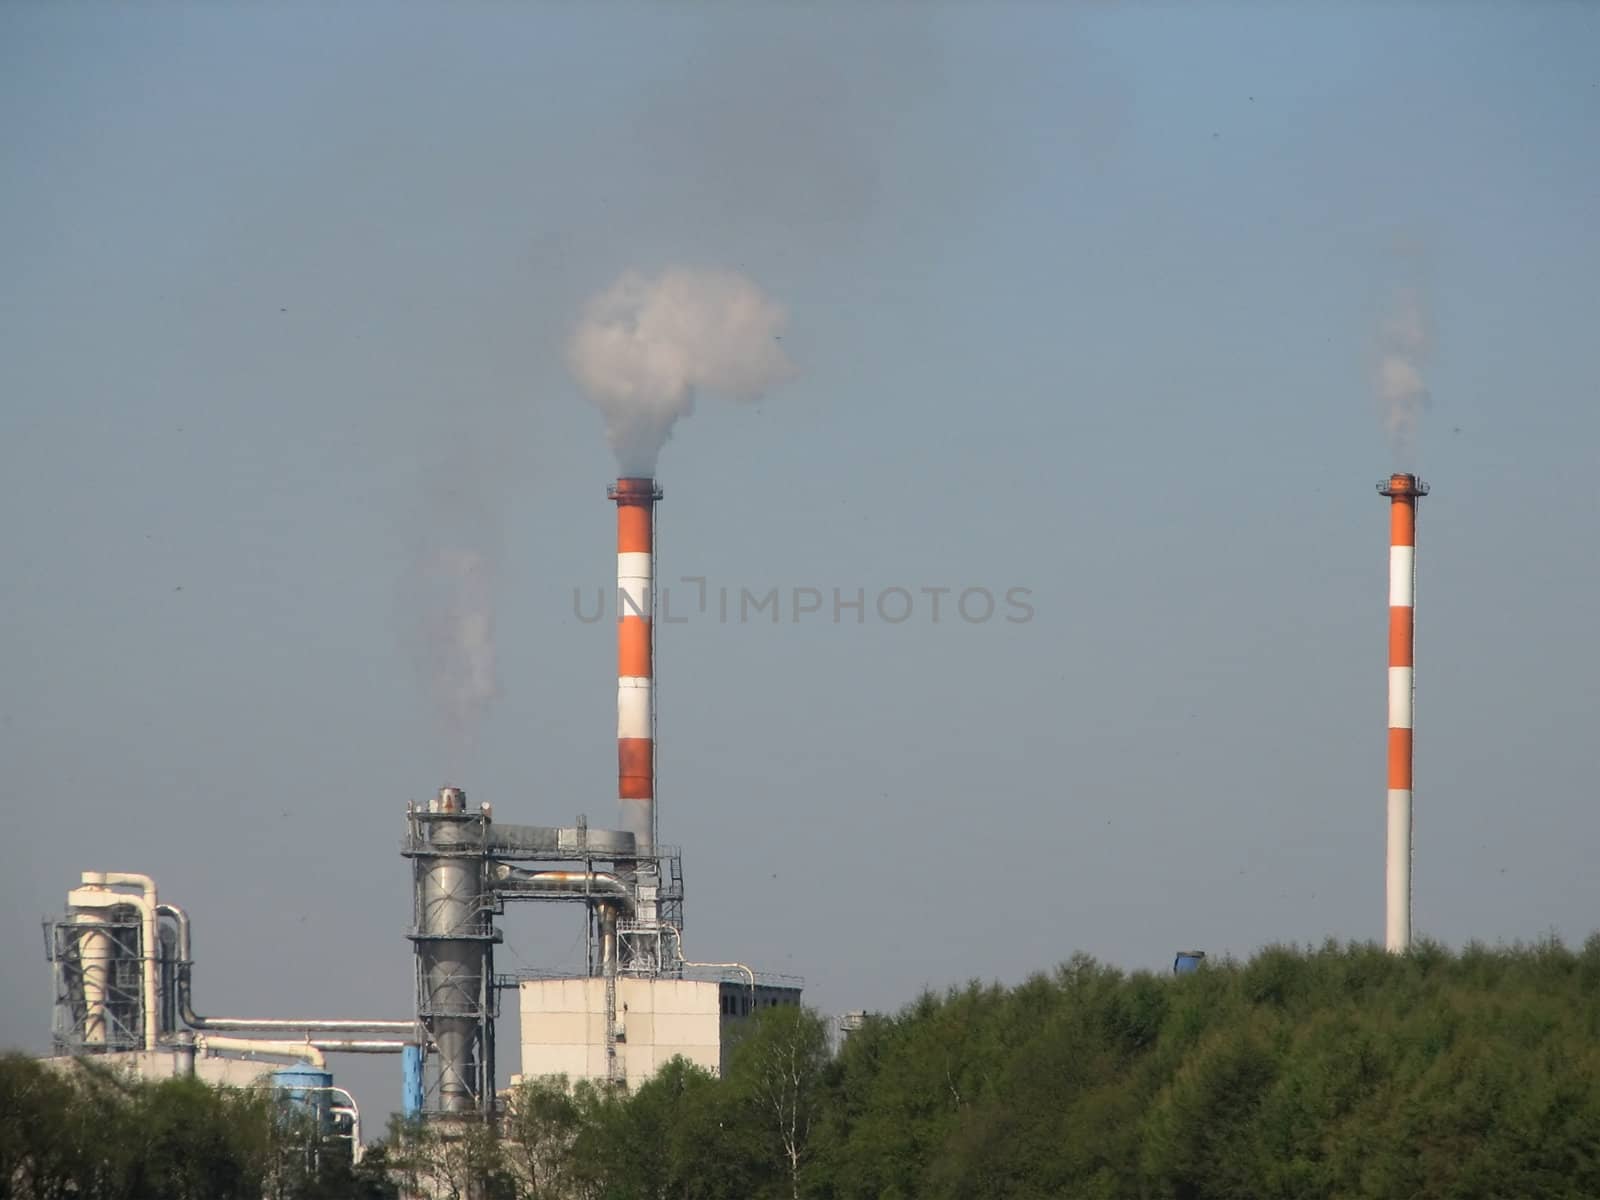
[564, 1026]
[664, 1018]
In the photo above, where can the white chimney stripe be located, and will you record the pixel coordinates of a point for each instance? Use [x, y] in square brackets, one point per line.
[1400, 697]
[633, 707]
[633, 564]
[633, 598]
[633, 584]
[1402, 580]
[1397, 876]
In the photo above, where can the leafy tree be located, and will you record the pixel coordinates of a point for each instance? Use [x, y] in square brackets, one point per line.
[84, 1131]
[459, 1159]
[777, 1073]
[540, 1131]
[630, 1145]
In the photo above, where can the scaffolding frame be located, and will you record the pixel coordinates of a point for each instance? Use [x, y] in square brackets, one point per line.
[122, 1012]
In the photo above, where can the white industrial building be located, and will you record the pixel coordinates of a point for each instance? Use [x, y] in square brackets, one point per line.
[563, 1024]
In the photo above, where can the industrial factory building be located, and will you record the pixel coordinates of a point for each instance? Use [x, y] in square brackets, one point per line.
[121, 968]
[123, 962]
[563, 1032]
[642, 1000]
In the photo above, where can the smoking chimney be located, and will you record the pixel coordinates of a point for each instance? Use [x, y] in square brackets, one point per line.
[1403, 491]
[636, 710]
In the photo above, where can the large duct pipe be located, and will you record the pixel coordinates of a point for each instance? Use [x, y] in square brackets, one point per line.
[576, 840]
[312, 1050]
[636, 714]
[1403, 491]
[195, 1021]
[611, 896]
[600, 886]
[372, 1046]
[209, 1044]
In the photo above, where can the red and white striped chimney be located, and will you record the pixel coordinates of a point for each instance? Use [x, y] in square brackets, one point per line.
[636, 710]
[1403, 491]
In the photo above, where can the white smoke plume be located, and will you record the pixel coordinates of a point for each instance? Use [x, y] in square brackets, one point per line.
[647, 346]
[1404, 345]
[460, 661]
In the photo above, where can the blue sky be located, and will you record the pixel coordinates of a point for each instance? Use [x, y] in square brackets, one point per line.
[1084, 299]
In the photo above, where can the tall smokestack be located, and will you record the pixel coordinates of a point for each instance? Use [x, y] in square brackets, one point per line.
[636, 498]
[1403, 491]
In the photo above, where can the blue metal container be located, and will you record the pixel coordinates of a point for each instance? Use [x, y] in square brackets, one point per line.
[306, 1089]
[411, 1097]
[1188, 962]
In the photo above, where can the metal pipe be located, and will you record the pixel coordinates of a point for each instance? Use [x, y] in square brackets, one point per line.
[575, 840]
[354, 1113]
[677, 936]
[195, 1021]
[599, 885]
[615, 1068]
[354, 1110]
[373, 1046]
[146, 904]
[348, 1109]
[635, 498]
[183, 1050]
[608, 940]
[1403, 491]
[725, 966]
[208, 1044]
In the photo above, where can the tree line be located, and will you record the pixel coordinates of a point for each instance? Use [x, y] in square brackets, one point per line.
[1339, 1072]
[92, 1134]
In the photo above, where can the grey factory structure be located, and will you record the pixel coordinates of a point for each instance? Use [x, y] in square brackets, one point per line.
[122, 958]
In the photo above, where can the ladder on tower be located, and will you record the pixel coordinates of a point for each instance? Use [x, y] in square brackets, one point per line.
[613, 1066]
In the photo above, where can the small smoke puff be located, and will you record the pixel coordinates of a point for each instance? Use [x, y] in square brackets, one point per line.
[1403, 350]
[461, 636]
[647, 346]
[1400, 381]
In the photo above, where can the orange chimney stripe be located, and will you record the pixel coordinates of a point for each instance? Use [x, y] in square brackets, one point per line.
[635, 768]
[1402, 521]
[633, 647]
[1400, 759]
[1400, 636]
[633, 529]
